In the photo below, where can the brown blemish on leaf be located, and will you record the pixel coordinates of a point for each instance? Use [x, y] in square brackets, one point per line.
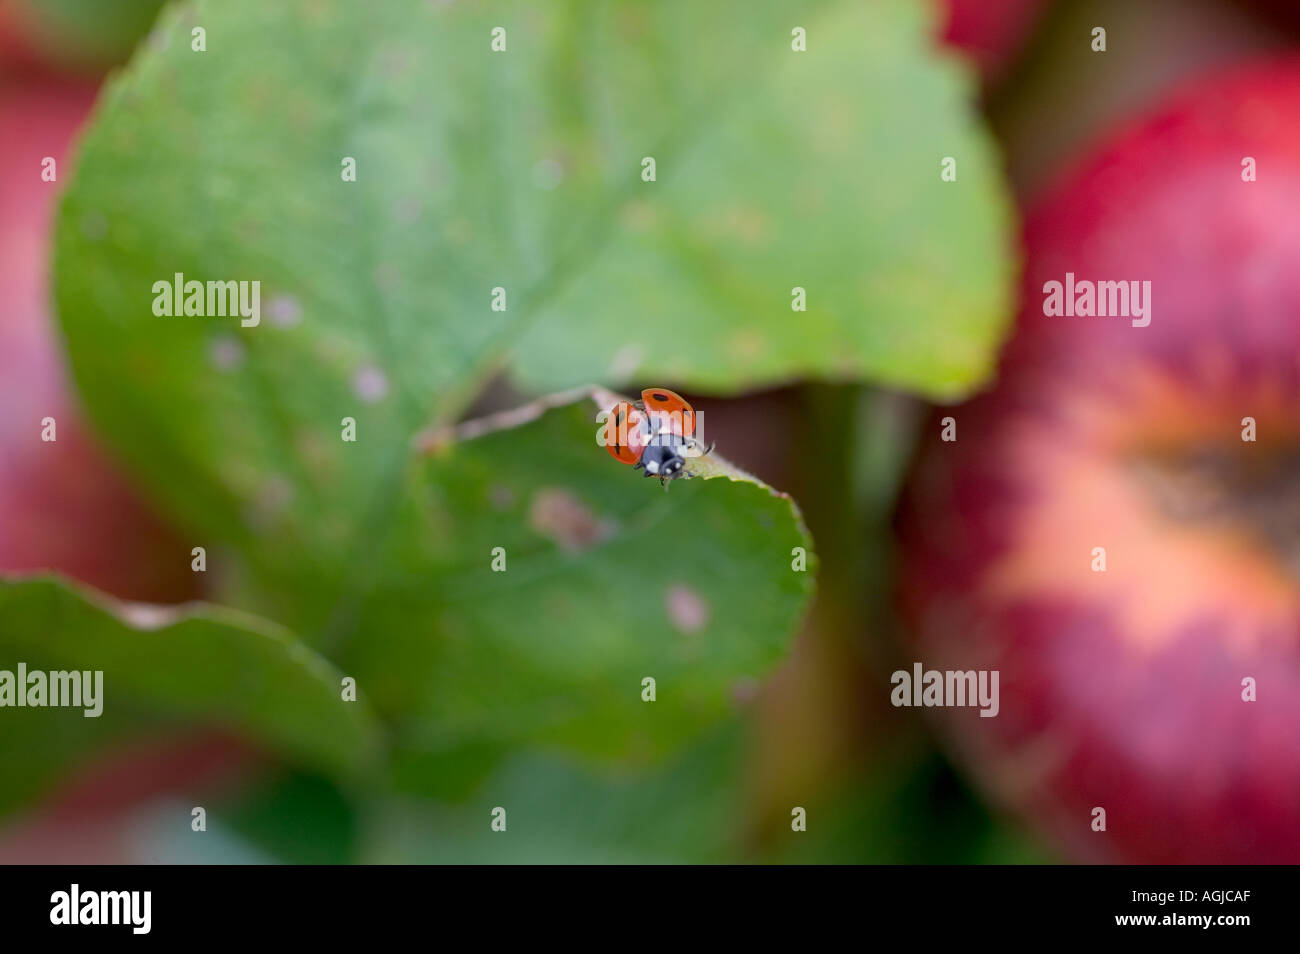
[744, 691]
[272, 500]
[560, 516]
[638, 216]
[747, 344]
[739, 222]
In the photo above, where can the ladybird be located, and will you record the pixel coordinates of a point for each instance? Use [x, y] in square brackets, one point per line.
[654, 434]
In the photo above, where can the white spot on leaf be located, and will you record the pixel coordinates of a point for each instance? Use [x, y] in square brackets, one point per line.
[285, 311]
[686, 609]
[370, 384]
[226, 352]
[548, 173]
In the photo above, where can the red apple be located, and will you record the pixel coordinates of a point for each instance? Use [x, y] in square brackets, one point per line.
[1123, 688]
[990, 31]
[94, 817]
[63, 506]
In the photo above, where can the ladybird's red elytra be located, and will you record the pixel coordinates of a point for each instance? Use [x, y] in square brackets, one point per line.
[660, 402]
[654, 434]
[627, 431]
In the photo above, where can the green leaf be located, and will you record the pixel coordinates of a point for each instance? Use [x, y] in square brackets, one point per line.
[519, 170]
[294, 818]
[165, 667]
[775, 170]
[894, 808]
[692, 809]
[607, 580]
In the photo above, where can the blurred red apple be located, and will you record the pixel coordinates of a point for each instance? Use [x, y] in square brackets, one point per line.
[990, 31]
[63, 506]
[93, 817]
[1123, 688]
[84, 37]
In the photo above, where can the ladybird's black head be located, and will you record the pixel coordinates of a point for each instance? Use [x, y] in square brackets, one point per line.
[663, 456]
